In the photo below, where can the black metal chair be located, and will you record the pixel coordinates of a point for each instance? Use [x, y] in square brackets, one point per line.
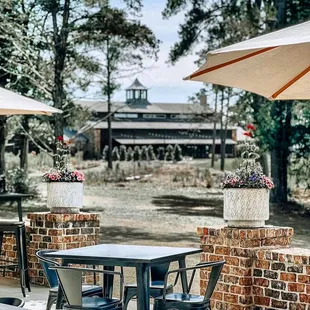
[70, 280]
[158, 274]
[18, 228]
[187, 301]
[51, 276]
[12, 301]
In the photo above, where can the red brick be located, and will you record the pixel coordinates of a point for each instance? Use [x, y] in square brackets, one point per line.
[231, 298]
[279, 304]
[308, 289]
[239, 271]
[222, 287]
[231, 279]
[245, 281]
[222, 250]
[288, 277]
[217, 296]
[298, 306]
[304, 279]
[261, 282]
[216, 257]
[232, 261]
[304, 298]
[263, 264]
[308, 270]
[208, 248]
[261, 301]
[246, 300]
[258, 291]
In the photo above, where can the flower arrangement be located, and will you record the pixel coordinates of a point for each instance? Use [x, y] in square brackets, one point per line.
[63, 171]
[250, 173]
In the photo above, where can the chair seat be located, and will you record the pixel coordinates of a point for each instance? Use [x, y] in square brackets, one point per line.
[183, 297]
[96, 303]
[154, 285]
[86, 289]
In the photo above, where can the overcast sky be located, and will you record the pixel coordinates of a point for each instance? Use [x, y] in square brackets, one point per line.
[163, 80]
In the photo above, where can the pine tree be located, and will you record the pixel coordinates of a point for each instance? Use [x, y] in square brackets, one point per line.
[130, 154]
[161, 153]
[105, 152]
[150, 152]
[144, 153]
[136, 154]
[177, 153]
[115, 154]
[169, 153]
[123, 153]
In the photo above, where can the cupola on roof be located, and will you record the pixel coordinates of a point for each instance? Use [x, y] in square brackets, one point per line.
[136, 85]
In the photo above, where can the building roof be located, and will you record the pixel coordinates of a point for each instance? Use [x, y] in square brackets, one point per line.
[136, 85]
[171, 141]
[100, 106]
[156, 125]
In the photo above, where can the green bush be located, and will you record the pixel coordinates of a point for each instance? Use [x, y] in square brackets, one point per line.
[177, 153]
[136, 153]
[123, 153]
[115, 154]
[130, 154]
[144, 153]
[169, 153]
[161, 153]
[150, 152]
[18, 182]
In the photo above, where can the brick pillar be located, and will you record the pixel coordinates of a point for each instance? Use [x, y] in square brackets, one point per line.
[53, 231]
[240, 248]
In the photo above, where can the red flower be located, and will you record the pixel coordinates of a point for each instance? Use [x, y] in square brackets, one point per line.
[248, 134]
[60, 138]
[250, 127]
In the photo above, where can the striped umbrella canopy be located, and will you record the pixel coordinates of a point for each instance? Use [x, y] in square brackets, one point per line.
[275, 65]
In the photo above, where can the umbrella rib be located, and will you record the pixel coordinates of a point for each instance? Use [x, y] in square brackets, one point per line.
[290, 83]
[228, 63]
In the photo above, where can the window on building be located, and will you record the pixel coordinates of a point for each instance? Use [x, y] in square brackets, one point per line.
[126, 115]
[179, 116]
[154, 116]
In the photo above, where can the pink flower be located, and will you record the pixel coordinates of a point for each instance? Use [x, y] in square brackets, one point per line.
[80, 178]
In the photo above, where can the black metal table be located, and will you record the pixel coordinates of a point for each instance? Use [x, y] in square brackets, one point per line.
[18, 198]
[139, 257]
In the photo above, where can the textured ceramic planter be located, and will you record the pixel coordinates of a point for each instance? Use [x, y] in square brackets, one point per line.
[246, 207]
[65, 197]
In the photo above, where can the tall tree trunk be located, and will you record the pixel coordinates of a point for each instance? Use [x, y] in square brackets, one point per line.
[2, 152]
[281, 111]
[214, 131]
[222, 133]
[280, 153]
[24, 148]
[109, 91]
[60, 40]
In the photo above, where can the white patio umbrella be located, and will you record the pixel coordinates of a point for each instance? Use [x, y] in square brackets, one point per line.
[12, 103]
[275, 65]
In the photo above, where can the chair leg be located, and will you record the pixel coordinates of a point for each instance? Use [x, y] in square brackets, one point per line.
[20, 260]
[25, 257]
[127, 297]
[51, 300]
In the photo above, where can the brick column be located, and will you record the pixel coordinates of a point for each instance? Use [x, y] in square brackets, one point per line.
[53, 231]
[240, 248]
[59, 232]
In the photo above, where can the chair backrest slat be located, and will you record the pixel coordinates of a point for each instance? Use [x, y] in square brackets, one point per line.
[46, 263]
[158, 273]
[71, 283]
[214, 276]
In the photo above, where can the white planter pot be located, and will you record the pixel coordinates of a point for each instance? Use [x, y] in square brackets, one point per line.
[65, 197]
[246, 207]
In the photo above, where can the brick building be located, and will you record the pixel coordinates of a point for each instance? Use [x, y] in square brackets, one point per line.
[138, 121]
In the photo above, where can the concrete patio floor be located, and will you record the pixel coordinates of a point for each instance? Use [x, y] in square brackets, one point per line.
[36, 299]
